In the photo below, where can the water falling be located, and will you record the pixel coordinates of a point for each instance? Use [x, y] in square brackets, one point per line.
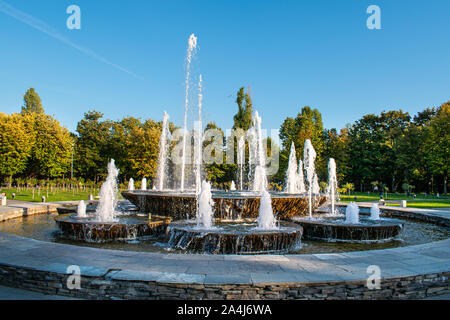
[241, 161]
[332, 184]
[144, 184]
[108, 196]
[205, 213]
[199, 140]
[192, 45]
[163, 153]
[131, 185]
[375, 212]
[309, 156]
[266, 219]
[352, 213]
[292, 173]
[81, 210]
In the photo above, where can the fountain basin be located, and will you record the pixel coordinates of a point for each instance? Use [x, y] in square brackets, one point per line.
[233, 238]
[336, 230]
[227, 205]
[125, 229]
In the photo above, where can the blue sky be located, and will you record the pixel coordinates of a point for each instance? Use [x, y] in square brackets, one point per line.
[291, 53]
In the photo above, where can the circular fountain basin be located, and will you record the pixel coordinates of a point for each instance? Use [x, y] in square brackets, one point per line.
[336, 229]
[126, 228]
[227, 205]
[234, 238]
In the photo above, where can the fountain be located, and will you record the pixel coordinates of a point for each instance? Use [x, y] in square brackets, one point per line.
[108, 196]
[241, 161]
[205, 214]
[375, 212]
[309, 157]
[232, 186]
[163, 153]
[131, 185]
[81, 210]
[292, 174]
[301, 181]
[266, 219]
[144, 184]
[352, 213]
[332, 185]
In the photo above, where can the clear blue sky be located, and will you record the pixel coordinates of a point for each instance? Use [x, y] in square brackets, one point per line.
[292, 53]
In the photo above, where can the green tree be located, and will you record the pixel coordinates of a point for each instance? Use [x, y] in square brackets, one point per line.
[32, 102]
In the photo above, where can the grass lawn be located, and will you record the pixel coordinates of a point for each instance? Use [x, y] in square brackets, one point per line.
[27, 195]
[424, 204]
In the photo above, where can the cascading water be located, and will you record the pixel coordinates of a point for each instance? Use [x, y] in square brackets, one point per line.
[131, 184]
[163, 154]
[199, 140]
[292, 173]
[205, 213]
[241, 161]
[332, 185]
[352, 213]
[192, 45]
[108, 196]
[81, 210]
[144, 184]
[375, 212]
[309, 156]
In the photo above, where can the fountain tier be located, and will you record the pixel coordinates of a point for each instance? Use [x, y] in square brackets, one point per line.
[227, 205]
[234, 238]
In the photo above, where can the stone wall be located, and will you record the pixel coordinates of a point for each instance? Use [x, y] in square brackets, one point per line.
[414, 287]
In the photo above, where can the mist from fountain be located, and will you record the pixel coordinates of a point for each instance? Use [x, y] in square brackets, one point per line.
[144, 184]
[309, 156]
[205, 213]
[375, 212]
[292, 173]
[332, 185]
[192, 45]
[131, 184]
[161, 175]
[81, 209]
[352, 213]
[241, 161]
[108, 196]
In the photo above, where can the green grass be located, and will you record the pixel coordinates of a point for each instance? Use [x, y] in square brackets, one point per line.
[27, 195]
[424, 204]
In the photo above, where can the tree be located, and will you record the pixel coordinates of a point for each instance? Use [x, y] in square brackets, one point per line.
[243, 117]
[51, 152]
[16, 142]
[32, 102]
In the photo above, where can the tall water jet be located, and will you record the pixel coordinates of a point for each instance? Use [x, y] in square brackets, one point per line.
[292, 172]
[266, 219]
[131, 184]
[241, 161]
[108, 196]
[375, 212]
[309, 156]
[81, 209]
[332, 184]
[260, 179]
[315, 187]
[205, 213]
[301, 180]
[144, 184]
[192, 45]
[352, 213]
[163, 153]
[233, 186]
[199, 140]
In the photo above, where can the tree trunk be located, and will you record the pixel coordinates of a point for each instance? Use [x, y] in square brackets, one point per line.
[445, 184]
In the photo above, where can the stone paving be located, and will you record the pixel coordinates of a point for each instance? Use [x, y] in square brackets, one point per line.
[254, 270]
